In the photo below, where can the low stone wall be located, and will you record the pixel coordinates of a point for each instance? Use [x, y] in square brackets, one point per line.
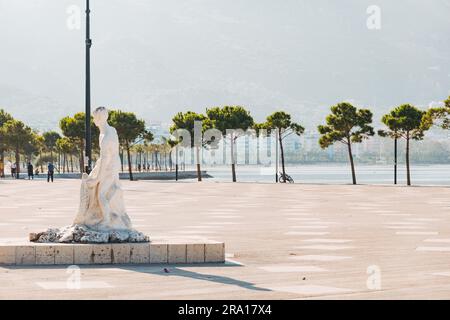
[155, 252]
[154, 175]
[163, 175]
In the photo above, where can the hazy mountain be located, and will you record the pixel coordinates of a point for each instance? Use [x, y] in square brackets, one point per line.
[158, 57]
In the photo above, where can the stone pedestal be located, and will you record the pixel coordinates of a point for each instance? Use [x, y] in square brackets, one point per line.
[155, 252]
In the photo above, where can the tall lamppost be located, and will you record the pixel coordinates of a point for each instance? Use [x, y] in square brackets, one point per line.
[88, 146]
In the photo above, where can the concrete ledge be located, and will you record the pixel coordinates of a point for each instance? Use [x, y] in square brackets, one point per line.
[152, 175]
[155, 252]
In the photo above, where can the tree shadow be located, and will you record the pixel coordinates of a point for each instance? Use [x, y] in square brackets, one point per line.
[164, 270]
[172, 270]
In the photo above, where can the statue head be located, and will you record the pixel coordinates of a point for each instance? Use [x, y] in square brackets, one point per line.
[100, 116]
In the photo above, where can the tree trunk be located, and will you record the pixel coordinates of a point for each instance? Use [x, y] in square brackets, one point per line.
[395, 161]
[199, 171]
[82, 158]
[408, 172]
[40, 161]
[17, 162]
[130, 169]
[233, 165]
[71, 163]
[282, 156]
[176, 163]
[80, 162]
[164, 157]
[258, 161]
[276, 158]
[152, 160]
[224, 152]
[165, 160]
[158, 160]
[350, 155]
[121, 158]
[136, 166]
[2, 163]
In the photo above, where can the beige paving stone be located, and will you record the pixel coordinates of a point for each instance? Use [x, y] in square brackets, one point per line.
[195, 253]
[439, 249]
[45, 254]
[257, 240]
[311, 290]
[102, 253]
[306, 233]
[64, 254]
[7, 255]
[139, 253]
[26, 255]
[215, 252]
[319, 258]
[158, 253]
[83, 254]
[292, 268]
[177, 253]
[318, 240]
[324, 247]
[120, 253]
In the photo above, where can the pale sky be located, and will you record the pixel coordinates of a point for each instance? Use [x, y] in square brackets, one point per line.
[158, 57]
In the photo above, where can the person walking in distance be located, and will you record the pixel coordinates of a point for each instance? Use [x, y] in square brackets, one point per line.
[30, 170]
[13, 170]
[51, 171]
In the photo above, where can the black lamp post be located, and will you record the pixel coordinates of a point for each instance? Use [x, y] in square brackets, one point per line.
[88, 147]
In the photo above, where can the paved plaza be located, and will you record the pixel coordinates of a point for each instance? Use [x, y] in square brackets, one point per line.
[282, 241]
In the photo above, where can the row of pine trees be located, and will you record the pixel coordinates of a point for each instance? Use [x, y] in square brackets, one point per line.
[345, 124]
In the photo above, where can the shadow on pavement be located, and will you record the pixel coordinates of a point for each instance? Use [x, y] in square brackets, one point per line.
[164, 270]
[170, 271]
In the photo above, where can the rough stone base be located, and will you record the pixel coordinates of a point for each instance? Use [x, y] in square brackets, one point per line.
[155, 252]
[82, 234]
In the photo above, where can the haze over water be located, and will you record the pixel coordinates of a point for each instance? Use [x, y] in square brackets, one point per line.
[338, 174]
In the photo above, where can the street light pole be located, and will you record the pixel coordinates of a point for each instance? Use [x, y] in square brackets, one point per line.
[88, 149]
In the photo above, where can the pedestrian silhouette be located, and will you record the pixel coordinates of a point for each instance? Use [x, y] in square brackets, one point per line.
[13, 170]
[51, 171]
[30, 170]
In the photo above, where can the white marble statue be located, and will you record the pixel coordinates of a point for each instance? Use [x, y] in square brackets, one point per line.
[101, 205]
[101, 217]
